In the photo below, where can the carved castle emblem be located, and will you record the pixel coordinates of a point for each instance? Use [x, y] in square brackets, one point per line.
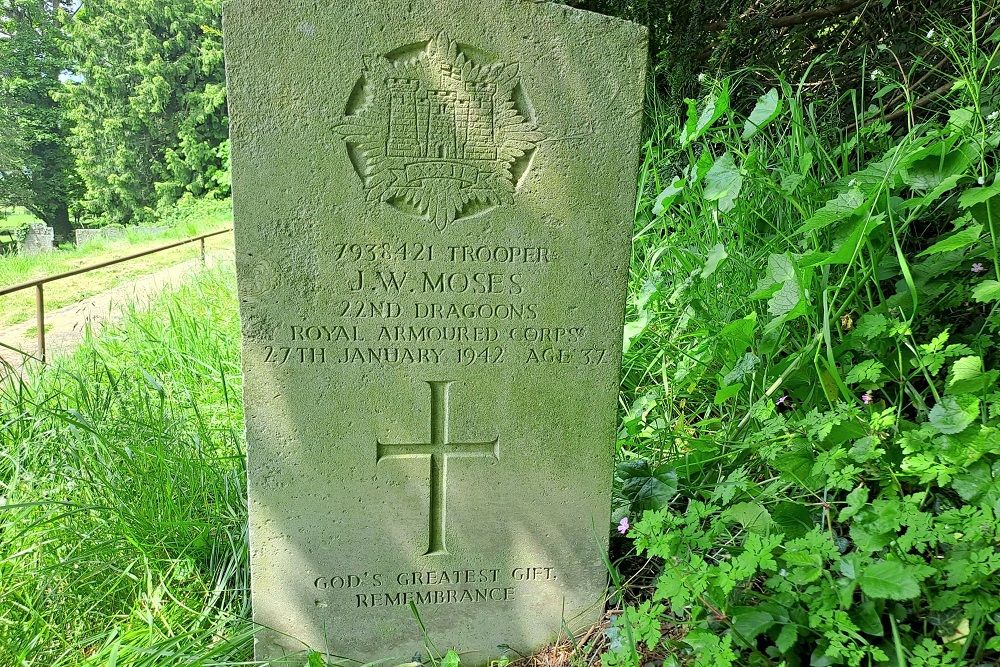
[437, 134]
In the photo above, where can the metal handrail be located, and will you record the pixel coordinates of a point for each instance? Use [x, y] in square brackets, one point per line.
[39, 284]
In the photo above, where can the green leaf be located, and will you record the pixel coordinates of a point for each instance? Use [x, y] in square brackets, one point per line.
[316, 660]
[977, 481]
[842, 206]
[987, 291]
[767, 109]
[954, 414]
[716, 256]
[754, 517]
[634, 329]
[727, 391]
[871, 325]
[888, 580]
[723, 182]
[749, 622]
[646, 487]
[738, 335]
[785, 299]
[787, 637]
[668, 196]
[939, 163]
[966, 376]
[867, 618]
[867, 371]
[957, 241]
[792, 518]
[696, 124]
[791, 182]
[744, 367]
[849, 247]
[451, 659]
[975, 196]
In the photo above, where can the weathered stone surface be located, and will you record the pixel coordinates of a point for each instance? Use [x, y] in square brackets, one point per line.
[433, 209]
[83, 236]
[38, 238]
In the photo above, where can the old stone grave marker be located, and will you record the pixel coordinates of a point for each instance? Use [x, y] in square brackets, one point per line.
[433, 207]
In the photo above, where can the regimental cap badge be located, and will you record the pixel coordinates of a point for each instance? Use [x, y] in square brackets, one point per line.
[436, 133]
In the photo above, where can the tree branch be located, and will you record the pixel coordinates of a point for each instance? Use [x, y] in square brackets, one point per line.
[799, 19]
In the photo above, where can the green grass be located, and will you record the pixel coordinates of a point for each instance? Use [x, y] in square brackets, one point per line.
[123, 518]
[14, 218]
[182, 222]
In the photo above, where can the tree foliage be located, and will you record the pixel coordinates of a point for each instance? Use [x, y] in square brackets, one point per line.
[149, 111]
[830, 45]
[36, 166]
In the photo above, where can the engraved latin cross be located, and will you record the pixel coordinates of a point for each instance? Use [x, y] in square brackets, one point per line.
[439, 450]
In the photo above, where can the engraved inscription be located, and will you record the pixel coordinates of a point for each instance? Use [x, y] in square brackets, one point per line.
[437, 133]
[439, 450]
[433, 587]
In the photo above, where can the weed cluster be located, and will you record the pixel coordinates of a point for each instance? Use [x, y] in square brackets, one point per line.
[810, 442]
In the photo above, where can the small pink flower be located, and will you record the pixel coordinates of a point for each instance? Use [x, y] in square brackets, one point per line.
[978, 267]
[783, 400]
[623, 525]
[866, 398]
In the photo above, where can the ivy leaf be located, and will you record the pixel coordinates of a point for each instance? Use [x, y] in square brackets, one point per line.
[954, 414]
[724, 182]
[842, 206]
[957, 241]
[767, 109]
[987, 291]
[646, 487]
[889, 579]
[866, 371]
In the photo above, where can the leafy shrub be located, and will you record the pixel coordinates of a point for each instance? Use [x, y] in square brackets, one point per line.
[812, 353]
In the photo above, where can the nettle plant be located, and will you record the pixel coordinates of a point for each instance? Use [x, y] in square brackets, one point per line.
[812, 464]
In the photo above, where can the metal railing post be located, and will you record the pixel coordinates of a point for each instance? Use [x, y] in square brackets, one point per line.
[40, 318]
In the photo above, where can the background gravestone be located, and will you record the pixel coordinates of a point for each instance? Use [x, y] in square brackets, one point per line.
[38, 238]
[433, 215]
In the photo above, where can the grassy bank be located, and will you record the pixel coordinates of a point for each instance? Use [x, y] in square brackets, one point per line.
[122, 500]
[182, 223]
